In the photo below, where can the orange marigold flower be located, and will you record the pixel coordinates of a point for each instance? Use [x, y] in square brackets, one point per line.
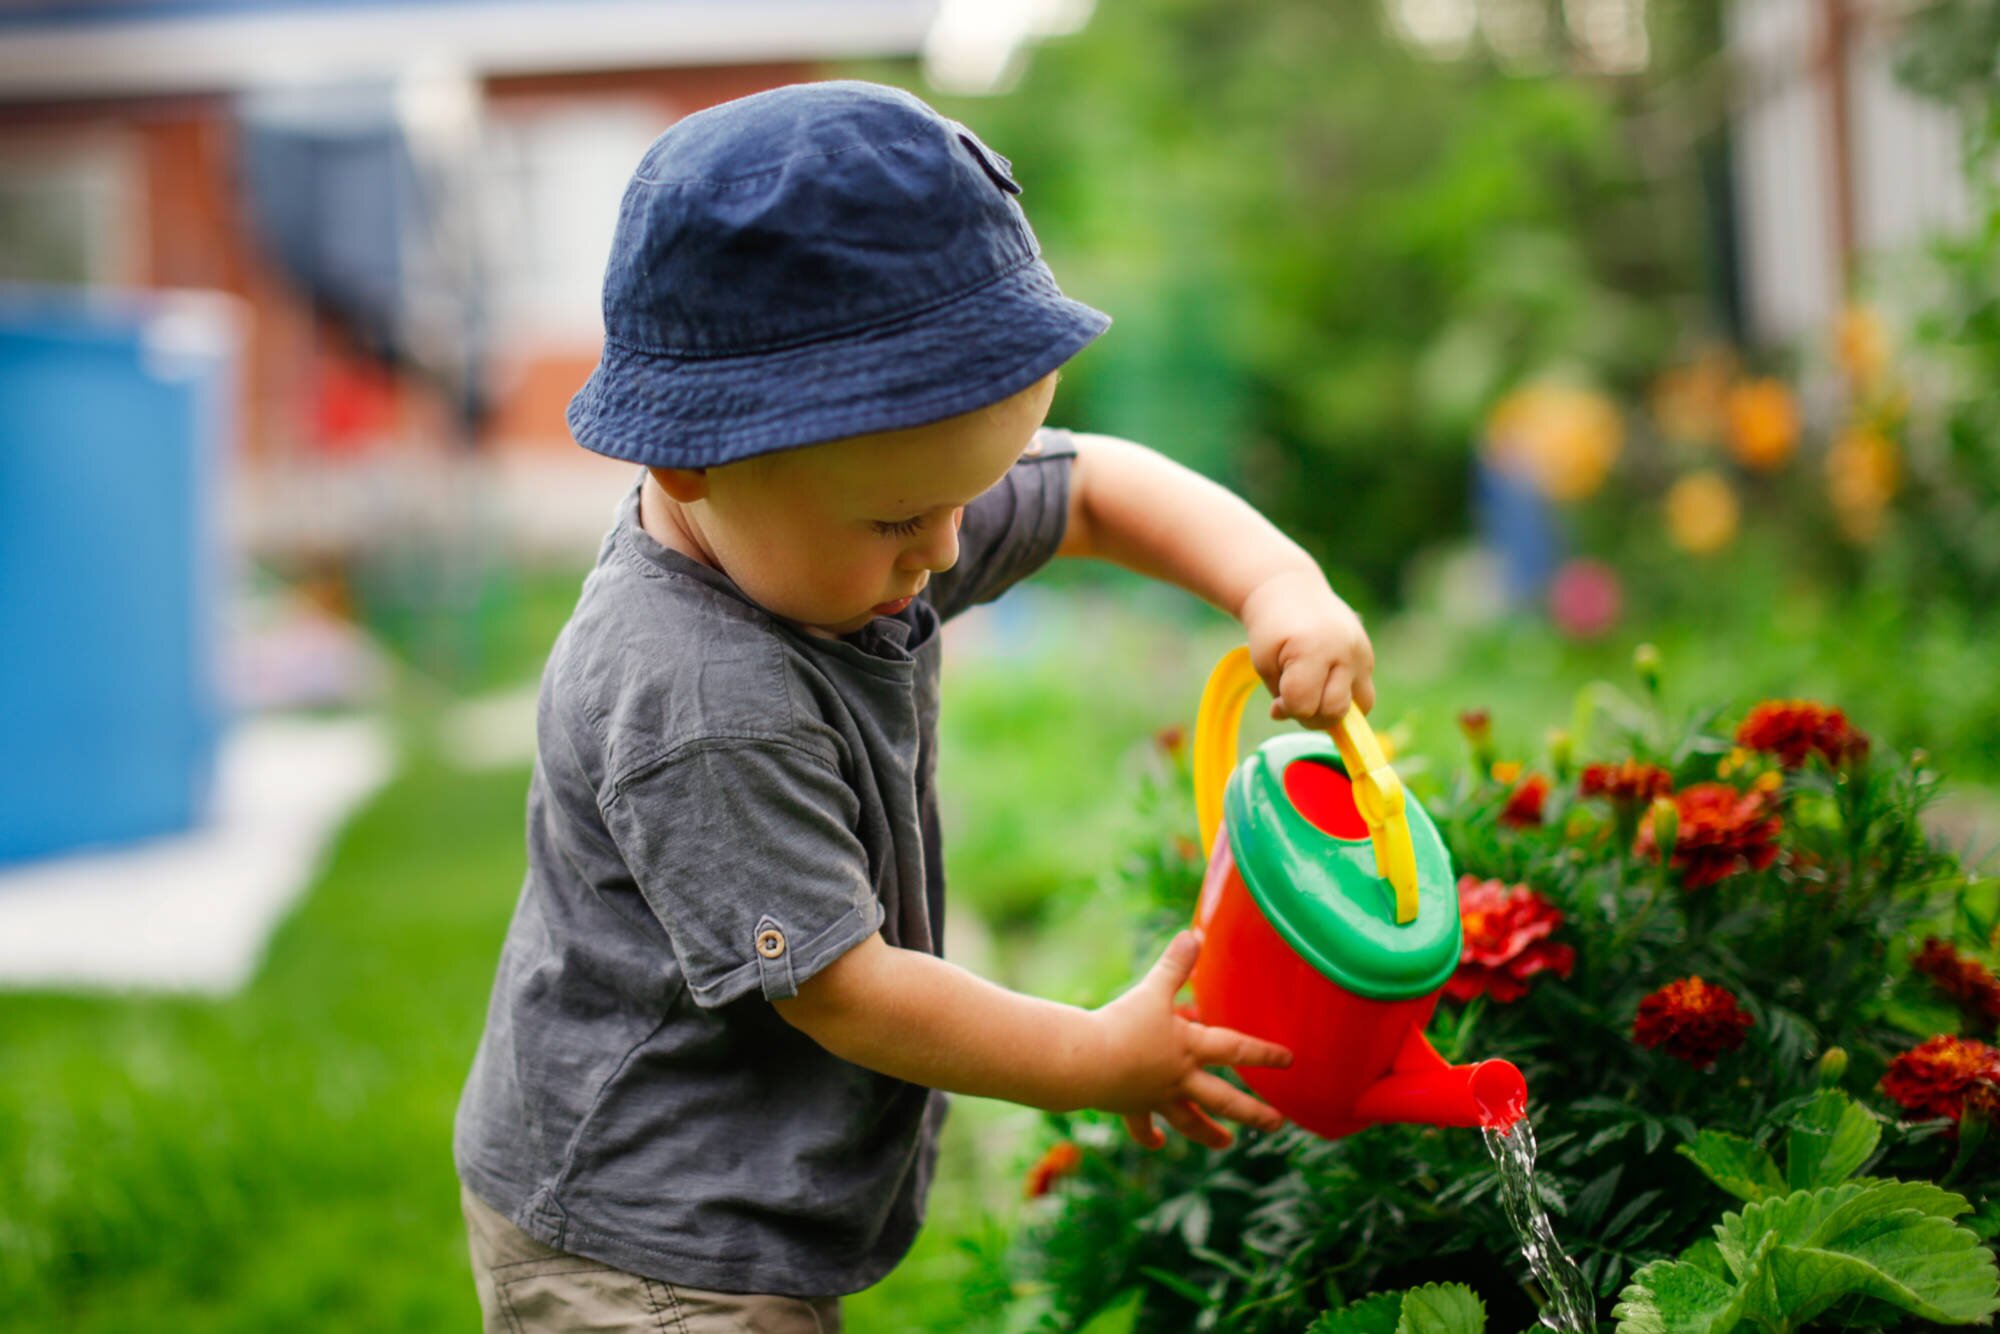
[1967, 981]
[1562, 439]
[1862, 469]
[1062, 1159]
[1702, 513]
[1763, 423]
[1695, 1021]
[1935, 1077]
[1524, 804]
[1627, 781]
[1507, 930]
[1722, 832]
[1792, 729]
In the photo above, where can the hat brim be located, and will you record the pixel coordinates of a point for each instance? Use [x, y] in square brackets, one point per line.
[670, 411]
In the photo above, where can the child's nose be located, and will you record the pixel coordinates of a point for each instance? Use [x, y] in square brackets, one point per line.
[937, 549]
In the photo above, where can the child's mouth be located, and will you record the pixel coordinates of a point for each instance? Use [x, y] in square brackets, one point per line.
[891, 608]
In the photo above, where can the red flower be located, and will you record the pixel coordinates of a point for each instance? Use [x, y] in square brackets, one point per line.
[1792, 729]
[1585, 598]
[1935, 1077]
[1694, 1020]
[1062, 1159]
[1626, 782]
[1524, 804]
[1507, 930]
[1723, 832]
[1966, 981]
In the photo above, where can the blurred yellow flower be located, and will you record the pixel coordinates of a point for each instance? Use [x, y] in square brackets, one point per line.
[1562, 439]
[1701, 513]
[1861, 346]
[1506, 771]
[1688, 401]
[1763, 424]
[1862, 471]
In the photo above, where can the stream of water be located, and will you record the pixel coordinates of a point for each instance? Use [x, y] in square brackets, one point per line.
[1571, 1309]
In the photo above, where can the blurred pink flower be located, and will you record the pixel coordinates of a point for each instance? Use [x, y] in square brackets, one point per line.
[1585, 598]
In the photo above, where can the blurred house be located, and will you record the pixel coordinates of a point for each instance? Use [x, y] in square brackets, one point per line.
[1834, 161]
[413, 201]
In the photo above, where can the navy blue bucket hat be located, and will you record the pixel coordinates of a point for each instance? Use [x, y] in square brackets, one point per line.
[817, 261]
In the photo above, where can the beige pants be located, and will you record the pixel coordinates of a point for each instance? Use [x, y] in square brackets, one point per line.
[528, 1288]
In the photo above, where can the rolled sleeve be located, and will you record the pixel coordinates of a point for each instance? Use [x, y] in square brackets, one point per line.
[746, 852]
[1012, 529]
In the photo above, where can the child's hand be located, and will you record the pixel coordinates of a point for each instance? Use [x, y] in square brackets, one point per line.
[1155, 1058]
[1309, 647]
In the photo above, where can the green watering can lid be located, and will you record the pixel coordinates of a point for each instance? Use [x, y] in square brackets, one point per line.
[1323, 894]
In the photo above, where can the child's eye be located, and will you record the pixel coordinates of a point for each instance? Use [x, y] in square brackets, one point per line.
[901, 528]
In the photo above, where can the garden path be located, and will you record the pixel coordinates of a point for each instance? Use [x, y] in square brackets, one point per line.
[192, 912]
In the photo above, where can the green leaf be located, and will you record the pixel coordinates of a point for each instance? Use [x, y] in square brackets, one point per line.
[1630, 1214]
[1704, 1255]
[1735, 1164]
[1674, 1297]
[1370, 1315]
[1442, 1308]
[1593, 1199]
[1783, 1261]
[1167, 1279]
[1829, 1141]
[1930, 1267]
[1434, 1308]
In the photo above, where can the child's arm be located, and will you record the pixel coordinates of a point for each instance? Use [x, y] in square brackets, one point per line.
[1141, 510]
[917, 1017]
[922, 1019]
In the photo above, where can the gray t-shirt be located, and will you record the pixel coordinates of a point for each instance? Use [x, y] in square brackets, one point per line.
[721, 806]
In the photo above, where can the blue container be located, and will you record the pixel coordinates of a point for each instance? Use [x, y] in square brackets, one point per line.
[113, 418]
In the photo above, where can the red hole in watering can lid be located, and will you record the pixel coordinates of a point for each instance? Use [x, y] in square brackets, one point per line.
[1323, 795]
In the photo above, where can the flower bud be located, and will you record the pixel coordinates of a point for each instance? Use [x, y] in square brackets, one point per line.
[1561, 751]
[1646, 661]
[1477, 724]
[1666, 825]
[1832, 1066]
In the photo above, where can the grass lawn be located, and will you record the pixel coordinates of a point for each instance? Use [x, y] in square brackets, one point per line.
[281, 1159]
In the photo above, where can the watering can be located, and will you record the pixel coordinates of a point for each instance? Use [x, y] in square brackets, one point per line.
[1329, 915]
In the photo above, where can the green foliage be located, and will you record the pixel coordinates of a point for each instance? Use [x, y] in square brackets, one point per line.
[1257, 1237]
[1826, 1141]
[1735, 1164]
[1327, 254]
[1435, 1308]
[1783, 1262]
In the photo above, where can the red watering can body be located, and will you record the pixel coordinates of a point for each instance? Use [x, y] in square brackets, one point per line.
[1330, 923]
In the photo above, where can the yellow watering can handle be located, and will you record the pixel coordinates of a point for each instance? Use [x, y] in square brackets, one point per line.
[1378, 792]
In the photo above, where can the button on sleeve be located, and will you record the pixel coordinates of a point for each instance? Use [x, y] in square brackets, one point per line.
[746, 852]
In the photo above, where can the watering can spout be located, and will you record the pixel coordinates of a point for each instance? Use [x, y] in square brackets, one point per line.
[1420, 1088]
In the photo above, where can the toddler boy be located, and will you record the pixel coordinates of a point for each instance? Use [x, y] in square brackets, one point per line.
[706, 1096]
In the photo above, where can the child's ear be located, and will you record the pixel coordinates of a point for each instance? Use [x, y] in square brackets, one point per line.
[685, 485]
